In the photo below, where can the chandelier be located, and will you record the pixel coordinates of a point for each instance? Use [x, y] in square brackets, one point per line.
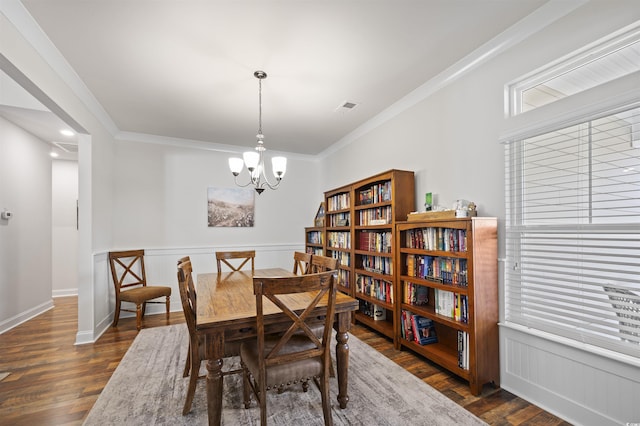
[254, 160]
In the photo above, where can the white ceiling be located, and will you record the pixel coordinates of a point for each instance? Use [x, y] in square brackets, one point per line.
[184, 69]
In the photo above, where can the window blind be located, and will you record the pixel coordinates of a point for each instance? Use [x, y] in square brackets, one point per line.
[573, 232]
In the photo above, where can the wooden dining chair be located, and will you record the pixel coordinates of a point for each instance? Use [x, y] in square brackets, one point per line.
[301, 263]
[274, 361]
[225, 256]
[130, 283]
[195, 352]
[323, 263]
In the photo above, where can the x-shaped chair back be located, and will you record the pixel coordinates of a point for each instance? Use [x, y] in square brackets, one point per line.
[224, 256]
[127, 269]
[324, 286]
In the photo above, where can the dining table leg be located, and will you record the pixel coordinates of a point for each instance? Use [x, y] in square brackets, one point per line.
[214, 353]
[342, 356]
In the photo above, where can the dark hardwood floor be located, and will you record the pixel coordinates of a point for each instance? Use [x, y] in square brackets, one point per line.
[54, 382]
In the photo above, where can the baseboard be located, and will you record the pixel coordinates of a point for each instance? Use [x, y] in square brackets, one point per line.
[65, 292]
[25, 316]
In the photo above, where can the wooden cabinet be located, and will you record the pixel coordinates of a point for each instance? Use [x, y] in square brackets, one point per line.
[379, 202]
[447, 278]
[314, 240]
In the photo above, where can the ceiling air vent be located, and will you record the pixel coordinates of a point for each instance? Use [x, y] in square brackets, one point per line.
[346, 106]
[67, 147]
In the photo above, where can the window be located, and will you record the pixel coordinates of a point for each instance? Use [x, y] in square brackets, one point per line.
[573, 216]
[616, 56]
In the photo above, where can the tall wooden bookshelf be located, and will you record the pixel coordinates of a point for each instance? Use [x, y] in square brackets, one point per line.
[338, 235]
[378, 203]
[448, 273]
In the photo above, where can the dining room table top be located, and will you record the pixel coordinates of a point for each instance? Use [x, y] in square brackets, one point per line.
[228, 298]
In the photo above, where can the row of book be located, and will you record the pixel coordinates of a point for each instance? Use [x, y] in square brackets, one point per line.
[344, 258]
[315, 237]
[378, 193]
[339, 239]
[376, 288]
[343, 278]
[377, 264]
[377, 313]
[415, 294]
[452, 305]
[417, 328]
[338, 219]
[315, 251]
[375, 216]
[375, 241]
[463, 350]
[339, 202]
[444, 239]
[443, 269]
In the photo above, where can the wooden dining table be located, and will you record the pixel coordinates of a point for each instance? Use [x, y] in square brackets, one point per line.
[226, 312]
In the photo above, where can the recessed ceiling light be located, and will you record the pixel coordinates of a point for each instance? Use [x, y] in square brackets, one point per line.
[67, 132]
[53, 154]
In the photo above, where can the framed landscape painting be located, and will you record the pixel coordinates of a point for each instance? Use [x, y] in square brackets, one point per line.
[230, 207]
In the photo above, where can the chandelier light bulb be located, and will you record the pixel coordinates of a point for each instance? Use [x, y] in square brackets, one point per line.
[251, 159]
[279, 166]
[236, 164]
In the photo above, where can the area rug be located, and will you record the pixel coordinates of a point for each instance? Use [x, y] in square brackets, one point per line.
[147, 388]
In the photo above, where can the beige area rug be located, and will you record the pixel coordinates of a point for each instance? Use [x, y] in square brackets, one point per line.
[3, 376]
[147, 388]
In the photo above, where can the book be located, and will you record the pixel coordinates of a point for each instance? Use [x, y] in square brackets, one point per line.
[424, 331]
[379, 313]
[407, 329]
[421, 295]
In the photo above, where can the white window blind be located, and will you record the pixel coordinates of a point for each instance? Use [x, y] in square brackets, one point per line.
[573, 232]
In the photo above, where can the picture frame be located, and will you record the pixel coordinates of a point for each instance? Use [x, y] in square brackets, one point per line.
[230, 207]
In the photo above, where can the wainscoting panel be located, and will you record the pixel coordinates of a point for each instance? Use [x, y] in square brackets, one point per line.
[570, 380]
[160, 265]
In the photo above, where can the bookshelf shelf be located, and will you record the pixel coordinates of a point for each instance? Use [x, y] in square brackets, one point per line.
[383, 327]
[451, 266]
[441, 355]
[314, 240]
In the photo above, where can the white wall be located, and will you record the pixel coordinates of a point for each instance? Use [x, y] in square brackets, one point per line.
[64, 227]
[160, 199]
[28, 54]
[160, 205]
[450, 140]
[25, 239]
